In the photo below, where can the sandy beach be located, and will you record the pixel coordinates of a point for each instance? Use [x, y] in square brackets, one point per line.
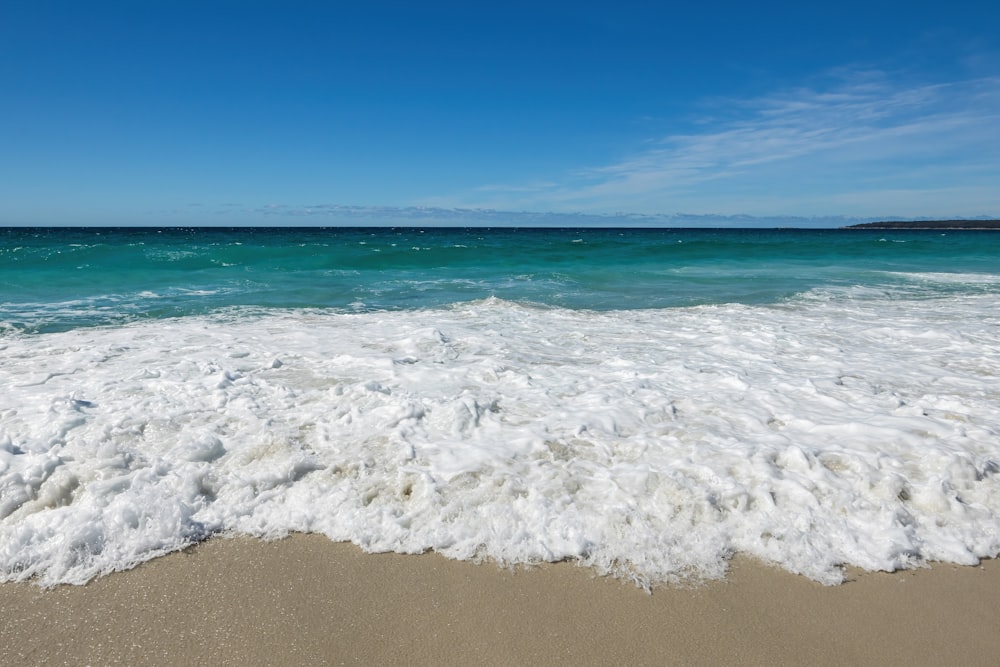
[306, 600]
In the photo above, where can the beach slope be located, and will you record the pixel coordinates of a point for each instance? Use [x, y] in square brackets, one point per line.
[306, 600]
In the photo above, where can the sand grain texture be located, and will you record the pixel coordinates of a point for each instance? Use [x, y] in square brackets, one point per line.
[305, 600]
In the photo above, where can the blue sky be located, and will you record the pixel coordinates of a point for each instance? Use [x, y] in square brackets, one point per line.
[173, 112]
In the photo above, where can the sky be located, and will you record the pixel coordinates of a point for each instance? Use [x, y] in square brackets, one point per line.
[158, 112]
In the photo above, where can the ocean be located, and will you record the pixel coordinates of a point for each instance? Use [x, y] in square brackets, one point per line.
[645, 402]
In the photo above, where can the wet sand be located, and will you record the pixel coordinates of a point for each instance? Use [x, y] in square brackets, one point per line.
[306, 600]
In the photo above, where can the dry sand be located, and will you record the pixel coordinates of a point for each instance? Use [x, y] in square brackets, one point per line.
[305, 600]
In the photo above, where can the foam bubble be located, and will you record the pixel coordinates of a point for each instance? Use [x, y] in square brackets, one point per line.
[650, 444]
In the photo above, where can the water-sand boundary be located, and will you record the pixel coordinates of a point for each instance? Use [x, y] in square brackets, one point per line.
[306, 600]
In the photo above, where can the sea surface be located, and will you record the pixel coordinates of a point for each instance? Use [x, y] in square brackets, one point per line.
[645, 402]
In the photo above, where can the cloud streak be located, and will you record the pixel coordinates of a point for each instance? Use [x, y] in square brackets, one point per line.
[340, 215]
[862, 134]
[860, 149]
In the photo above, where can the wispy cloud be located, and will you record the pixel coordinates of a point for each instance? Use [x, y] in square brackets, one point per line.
[310, 215]
[862, 147]
[842, 142]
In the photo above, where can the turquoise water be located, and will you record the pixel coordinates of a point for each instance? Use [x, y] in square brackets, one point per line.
[644, 402]
[54, 279]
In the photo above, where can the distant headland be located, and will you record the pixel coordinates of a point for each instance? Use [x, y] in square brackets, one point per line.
[929, 224]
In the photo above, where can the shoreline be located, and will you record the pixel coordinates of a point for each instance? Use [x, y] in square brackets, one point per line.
[306, 600]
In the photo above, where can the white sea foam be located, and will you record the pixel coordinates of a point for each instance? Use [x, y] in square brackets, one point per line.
[949, 278]
[652, 444]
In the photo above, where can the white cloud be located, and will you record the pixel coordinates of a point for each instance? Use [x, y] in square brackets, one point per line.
[841, 144]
